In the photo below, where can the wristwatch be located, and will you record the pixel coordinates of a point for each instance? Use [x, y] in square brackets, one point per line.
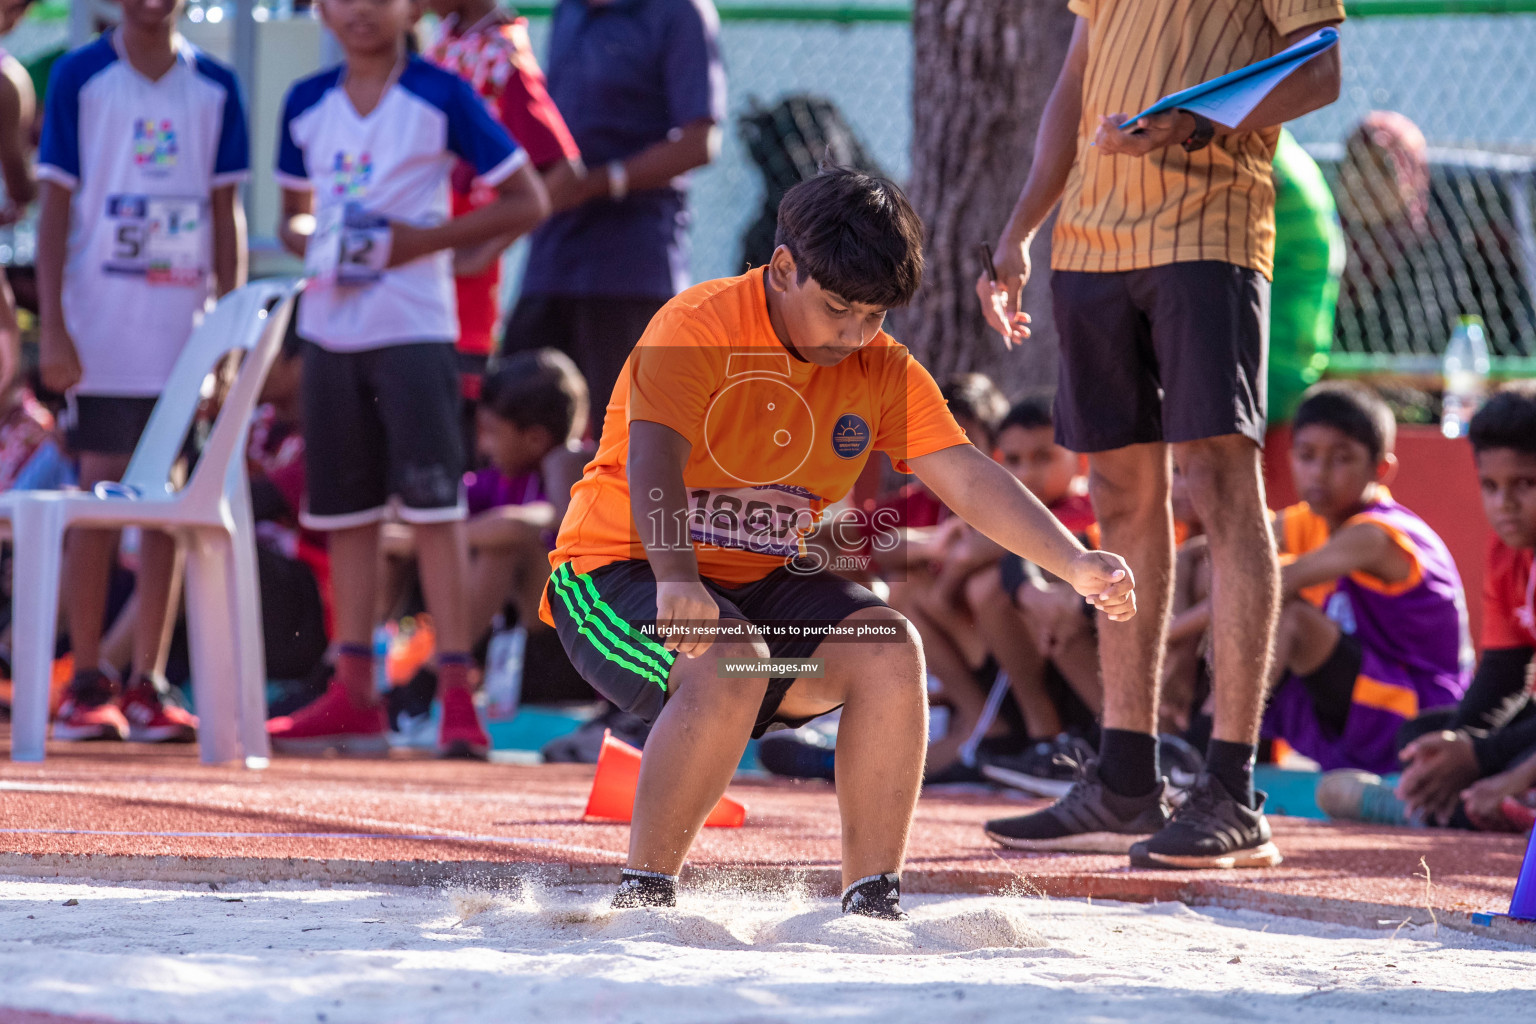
[618, 180]
[1204, 132]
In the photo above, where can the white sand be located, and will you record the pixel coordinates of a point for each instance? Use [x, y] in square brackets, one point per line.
[374, 956]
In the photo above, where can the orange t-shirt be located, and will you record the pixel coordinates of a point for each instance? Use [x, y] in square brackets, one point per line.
[775, 439]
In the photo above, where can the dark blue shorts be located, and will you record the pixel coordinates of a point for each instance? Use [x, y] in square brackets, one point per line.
[606, 620]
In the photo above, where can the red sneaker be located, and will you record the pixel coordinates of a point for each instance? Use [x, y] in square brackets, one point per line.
[330, 722]
[152, 719]
[460, 735]
[90, 711]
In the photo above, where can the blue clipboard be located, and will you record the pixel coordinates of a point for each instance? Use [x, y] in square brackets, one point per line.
[1283, 63]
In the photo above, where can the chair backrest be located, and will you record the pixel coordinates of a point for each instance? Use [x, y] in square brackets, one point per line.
[253, 319]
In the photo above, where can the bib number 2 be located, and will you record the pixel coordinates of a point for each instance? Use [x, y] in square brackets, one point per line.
[350, 246]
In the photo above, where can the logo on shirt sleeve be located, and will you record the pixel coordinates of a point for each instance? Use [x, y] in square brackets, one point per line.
[850, 436]
[154, 142]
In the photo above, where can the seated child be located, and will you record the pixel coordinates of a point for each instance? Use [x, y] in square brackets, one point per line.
[926, 567]
[1373, 626]
[1035, 626]
[1463, 764]
[528, 422]
[749, 406]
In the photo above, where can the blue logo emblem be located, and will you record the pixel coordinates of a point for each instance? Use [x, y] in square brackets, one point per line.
[850, 436]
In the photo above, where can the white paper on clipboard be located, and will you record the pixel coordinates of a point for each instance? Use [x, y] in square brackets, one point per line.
[1231, 97]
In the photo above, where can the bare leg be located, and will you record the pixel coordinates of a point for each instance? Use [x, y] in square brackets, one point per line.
[1130, 498]
[88, 560]
[691, 754]
[1012, 643]
[699, 738]
[158, 595]
[1304, 640]
[880, 741]
[443, 557]
[1227, 489]
[354, 575]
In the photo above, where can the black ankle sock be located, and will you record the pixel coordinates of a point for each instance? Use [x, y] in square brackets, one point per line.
[645, 889]
[1232, 765]
[1128, 762]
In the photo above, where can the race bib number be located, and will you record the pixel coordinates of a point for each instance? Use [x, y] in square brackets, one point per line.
[350, 246]
[159, 238]
[767, 520]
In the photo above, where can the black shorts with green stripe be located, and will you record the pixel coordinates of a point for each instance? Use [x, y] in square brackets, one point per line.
[607, 618]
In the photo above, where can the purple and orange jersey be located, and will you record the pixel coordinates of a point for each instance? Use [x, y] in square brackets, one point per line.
[1416, 647]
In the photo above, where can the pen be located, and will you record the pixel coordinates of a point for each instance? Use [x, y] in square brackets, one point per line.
[986, 262]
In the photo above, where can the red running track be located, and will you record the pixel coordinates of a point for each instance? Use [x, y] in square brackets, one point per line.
[127, 812]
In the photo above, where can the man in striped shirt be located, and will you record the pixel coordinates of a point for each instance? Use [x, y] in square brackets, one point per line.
[1161, 258]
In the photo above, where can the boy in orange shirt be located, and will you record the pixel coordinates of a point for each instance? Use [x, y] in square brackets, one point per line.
[749, 406]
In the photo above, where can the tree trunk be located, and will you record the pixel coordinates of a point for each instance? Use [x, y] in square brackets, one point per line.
[981, 75]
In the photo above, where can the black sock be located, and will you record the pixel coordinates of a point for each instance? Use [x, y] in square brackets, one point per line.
[1232, 765]
[1128, 762]
[645, 889]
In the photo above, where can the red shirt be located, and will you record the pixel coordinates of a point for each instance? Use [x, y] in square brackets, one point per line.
[1075, 512]
[495, 57]
[1509, 597]
[913, 507]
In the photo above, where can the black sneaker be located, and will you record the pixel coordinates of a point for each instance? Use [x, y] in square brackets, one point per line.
[1181, 763]
[1049, 768]
[803, 753]
[876, 896]
[644, 889]
[1091, 818]
[1210, 830]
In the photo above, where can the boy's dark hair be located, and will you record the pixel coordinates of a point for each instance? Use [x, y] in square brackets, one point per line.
[856, 234]
[1354, 410]
[1508, 420]
[538, 388]
[1030, 412]
[974, 396]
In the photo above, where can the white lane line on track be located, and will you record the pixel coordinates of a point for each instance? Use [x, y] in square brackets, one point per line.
[419, 832]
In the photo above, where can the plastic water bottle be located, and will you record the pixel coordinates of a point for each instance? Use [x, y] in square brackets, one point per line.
[382, 635]
[504, 673]
[1465, 368]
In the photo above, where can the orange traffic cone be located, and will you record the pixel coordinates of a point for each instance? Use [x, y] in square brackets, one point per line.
[617, 778]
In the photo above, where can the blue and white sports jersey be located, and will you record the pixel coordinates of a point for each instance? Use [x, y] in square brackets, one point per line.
[141, 158]
[396, 163]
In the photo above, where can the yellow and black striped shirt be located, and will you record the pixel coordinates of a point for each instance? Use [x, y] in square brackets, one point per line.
[1127, 213]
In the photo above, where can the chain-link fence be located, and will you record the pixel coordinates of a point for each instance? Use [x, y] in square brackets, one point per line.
[1460, 71]
[1435, 230]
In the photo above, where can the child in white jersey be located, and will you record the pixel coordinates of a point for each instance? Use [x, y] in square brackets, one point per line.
[144, 142]
[374, 141]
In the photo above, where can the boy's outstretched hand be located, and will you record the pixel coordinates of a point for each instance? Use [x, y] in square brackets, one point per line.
[685, 613]
[1106, 581]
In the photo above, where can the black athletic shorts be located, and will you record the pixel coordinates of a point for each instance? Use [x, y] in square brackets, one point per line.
[382, 427]
[1172, 353]
[106, 424]
[606, 619]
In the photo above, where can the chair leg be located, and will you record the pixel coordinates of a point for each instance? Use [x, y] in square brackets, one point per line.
[211, 629]
[38, 552]
[245, 600]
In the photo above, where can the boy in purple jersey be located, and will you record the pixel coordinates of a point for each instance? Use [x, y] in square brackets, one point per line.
[1374, 629]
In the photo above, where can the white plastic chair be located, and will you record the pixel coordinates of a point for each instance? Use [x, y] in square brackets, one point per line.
[210, 518]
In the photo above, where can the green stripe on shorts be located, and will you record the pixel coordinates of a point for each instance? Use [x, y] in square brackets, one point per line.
[594, 616]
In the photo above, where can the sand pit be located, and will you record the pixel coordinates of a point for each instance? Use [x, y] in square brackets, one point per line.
[533, 953]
